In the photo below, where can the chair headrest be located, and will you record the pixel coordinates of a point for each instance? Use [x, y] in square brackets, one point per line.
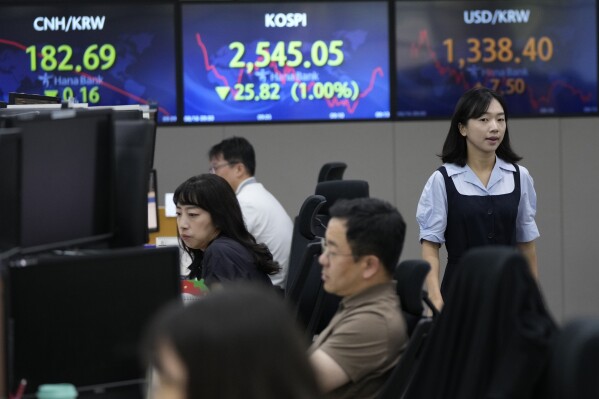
[336, 189]
[332, 171]
[307, 215]
[410, 275]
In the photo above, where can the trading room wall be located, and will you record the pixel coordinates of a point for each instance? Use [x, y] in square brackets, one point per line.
[396, 158]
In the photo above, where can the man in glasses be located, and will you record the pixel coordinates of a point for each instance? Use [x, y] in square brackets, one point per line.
[266, 219]
[355, 353]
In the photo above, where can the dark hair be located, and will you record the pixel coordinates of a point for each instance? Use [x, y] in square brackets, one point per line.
[236, 150]
[494, 336]
[374, 227]
[471, 105]
[238, 342]
[213, 194]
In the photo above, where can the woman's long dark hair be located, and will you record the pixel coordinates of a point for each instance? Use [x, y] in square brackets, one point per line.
[471, 105]
[213, 194]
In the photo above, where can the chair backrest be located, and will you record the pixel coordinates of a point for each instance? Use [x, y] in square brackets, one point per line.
[305, 229]
[340, 189]
[574, 369]
[409, 276]
[313, 307]
[332, 171]
[399, 379]
[308, 223]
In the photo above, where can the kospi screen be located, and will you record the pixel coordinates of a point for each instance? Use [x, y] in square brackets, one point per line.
[111, 54]
[252, 62]
[542, 58]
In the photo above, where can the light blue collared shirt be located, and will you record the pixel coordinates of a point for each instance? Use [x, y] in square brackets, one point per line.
[432, 207]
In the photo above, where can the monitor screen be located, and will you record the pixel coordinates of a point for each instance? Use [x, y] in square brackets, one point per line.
[80, 318]
[24, 98]
[67, 181]
[541, 57]
[10, 182]
[100, 54]
[134, 150]
[298, 61]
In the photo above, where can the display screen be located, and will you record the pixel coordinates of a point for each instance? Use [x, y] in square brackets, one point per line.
[285, 61]
[76, 202]
[81, 319]
[542, 58]
[109, 54]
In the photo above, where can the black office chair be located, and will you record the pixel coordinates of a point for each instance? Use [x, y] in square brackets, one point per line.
[305, 229]
[574, 369]
[336, 189]
[332, 171]
[307, 295]
[409, 276]
[314, 216]
[312, 305]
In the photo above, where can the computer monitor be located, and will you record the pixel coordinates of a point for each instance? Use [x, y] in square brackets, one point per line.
[134, 146]
[79, 319]
[21, 111]
[10, 182]
[153, 214]
[285, 61]
[26, 98]
[67, 179]
[96, 52]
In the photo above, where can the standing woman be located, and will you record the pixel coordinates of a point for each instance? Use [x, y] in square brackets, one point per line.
[480, 196]
[211, 230]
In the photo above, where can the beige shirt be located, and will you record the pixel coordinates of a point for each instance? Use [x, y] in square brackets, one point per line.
[365, 337]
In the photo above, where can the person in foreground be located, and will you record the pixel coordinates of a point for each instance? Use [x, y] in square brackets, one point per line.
[494, 337]
[211, 230]
[238, 342]
[480, 196]
[266, 219]
[355, 353]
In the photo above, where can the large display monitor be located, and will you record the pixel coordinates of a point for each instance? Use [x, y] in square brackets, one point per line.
[134, 150]
[80, 318]
[100, 54]
[67, 183]
[10, 193]
[542, 56]
[285, 61]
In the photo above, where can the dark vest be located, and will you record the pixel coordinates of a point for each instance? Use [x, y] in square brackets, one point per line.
[474, 220]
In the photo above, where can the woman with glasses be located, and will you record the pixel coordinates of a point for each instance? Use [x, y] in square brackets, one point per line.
[212, 231]
[480, 196]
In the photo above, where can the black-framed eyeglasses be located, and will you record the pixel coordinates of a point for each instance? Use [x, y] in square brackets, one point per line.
[214, 168]
[326, 252]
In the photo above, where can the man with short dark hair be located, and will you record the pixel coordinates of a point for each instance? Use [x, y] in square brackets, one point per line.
[355, 353]
[266, 219]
